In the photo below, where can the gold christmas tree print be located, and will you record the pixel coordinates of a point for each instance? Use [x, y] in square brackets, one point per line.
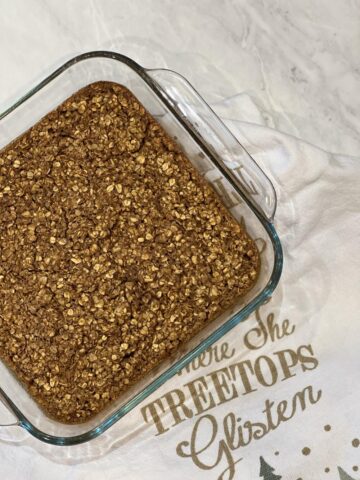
[343, 475]
[266, 472]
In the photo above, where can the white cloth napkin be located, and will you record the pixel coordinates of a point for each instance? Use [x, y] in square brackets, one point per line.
[300, 415]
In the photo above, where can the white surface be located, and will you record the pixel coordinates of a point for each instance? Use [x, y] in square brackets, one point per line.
[298, 62]
[290, 66]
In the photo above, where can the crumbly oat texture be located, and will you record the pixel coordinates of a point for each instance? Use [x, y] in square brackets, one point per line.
[113, 252]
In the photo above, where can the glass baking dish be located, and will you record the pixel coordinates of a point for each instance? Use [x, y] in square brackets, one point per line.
[245, 189]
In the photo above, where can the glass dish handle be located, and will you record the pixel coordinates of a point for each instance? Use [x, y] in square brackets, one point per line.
[230, 156]
[4, 403]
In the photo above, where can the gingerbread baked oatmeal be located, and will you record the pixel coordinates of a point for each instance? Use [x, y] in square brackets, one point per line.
[113, 252]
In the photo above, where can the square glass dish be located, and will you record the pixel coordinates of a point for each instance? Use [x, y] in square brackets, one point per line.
[244, 188]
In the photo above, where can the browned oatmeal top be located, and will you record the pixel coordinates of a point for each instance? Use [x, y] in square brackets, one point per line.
[113, 250]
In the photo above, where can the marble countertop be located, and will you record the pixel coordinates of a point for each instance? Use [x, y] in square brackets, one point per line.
[295, 65]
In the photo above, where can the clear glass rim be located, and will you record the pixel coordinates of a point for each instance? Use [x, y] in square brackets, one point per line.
[22, 421]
